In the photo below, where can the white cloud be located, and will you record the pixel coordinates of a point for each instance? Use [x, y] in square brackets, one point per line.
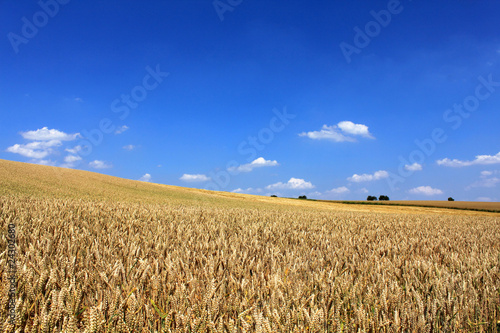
[258, 163]
[486, 199]
[145, 178]
[249, 190]
[314, 194]
[78, 99]
[36, 149]
[72, 158]
[340, 132]
[45, 134]
[74, 150]
[413, 167]
[121, 129]
[355, 129]
[100, 165]
[367, 177]
[486, 173]
[327, 133]
[194, 178]
[479, 160]
[425, 190]
[339, 190]
[292, 184]
[364, 190]
[43, 162]
[485, 182]
[43, 144]
[129, 147]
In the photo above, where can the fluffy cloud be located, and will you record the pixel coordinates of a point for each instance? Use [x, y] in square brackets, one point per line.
[258, 163]
[425, 190]
[355, 129]
[122, 129]
[129, 147]
[413, 167]
[145, 178]
[74, 150]
[367, 177]
[292, 184]
[479, 160]
[486, 173]
[36, 149]
[339, 190]
[43, 162]
[44, 142]
[45, 134]
[194, 178]
[100, 165]
[249, 190]
[485, 182]
[342, 132]
[72, 158]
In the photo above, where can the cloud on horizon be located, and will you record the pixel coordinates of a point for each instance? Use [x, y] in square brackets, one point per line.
[194, 178]
[338, 190]
[145, 178]
[479, 160]
[44, 142]
[100, 165]
[425, 190]
[292, 184]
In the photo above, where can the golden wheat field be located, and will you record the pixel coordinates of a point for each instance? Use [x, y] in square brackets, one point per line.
[103, 254]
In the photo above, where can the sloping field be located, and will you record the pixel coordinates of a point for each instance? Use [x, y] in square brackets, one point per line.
[462, 205]
[491, 206]
[102, 254]
[23, 179]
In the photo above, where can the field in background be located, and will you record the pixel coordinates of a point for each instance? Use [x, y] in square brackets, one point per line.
[99, 253]
[461, 205]
[23, 179]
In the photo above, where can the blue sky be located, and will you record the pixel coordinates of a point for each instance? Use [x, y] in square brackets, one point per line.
[331, 100]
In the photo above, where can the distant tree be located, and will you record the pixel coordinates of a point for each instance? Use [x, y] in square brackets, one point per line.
[274, 196]
[302, 197]
[383, 198]
[371, 198]
[451, 199]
